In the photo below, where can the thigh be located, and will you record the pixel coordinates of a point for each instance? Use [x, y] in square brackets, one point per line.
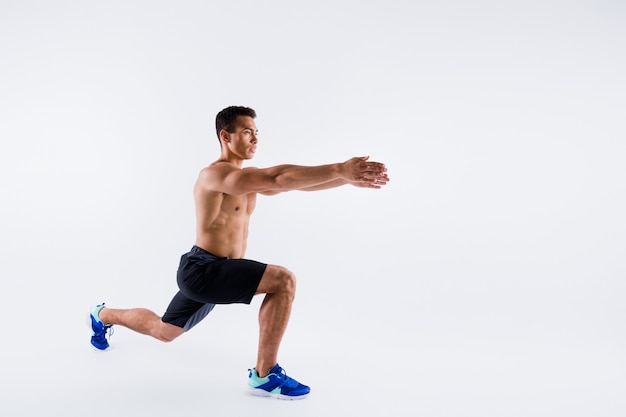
[184, 313]
[223, 281]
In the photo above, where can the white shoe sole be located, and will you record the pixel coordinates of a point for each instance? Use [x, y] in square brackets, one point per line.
[262, 393]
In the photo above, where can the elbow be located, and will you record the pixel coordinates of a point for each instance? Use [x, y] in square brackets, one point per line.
[270, 192]
[279, 182]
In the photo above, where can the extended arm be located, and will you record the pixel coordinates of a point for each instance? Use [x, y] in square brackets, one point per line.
[358, 171]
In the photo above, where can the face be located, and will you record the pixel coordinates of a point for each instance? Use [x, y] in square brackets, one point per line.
[242, 142]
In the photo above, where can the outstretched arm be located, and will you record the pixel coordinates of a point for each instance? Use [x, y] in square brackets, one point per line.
[357, 171]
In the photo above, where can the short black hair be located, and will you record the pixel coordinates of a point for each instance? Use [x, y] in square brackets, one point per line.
[226, 118]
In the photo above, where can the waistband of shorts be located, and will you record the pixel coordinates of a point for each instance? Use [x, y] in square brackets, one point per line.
[198, 249]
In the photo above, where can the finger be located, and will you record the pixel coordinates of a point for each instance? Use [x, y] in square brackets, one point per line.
[377, 166]
[373, 181]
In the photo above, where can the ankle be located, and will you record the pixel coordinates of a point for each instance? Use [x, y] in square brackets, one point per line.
[263, 371]
[102, 317]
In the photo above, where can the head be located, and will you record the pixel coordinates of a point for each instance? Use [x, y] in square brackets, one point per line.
[227, 118]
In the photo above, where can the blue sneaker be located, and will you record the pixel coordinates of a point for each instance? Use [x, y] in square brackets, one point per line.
[99, 329]
[276, 385]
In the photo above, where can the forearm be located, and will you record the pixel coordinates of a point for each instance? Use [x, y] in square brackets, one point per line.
[310, 178]
[327, 185]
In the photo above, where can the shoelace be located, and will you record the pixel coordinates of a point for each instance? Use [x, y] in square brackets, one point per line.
[105, 329]
[283, 378]
[286, 380]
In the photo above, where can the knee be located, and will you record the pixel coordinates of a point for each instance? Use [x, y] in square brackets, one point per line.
[166, 332]
[165, 338]
[287, 280]
[278, 280]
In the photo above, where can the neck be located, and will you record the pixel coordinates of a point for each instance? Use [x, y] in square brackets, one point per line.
[230, 158]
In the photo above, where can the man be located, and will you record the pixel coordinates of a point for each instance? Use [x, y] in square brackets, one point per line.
[215, 271]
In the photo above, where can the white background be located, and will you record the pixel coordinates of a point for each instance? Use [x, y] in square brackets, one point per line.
[487, 278]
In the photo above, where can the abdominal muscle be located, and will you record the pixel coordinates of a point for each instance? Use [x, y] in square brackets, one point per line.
[222, 223]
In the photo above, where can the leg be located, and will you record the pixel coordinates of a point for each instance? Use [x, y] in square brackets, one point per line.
[143, 321]
[279, 285]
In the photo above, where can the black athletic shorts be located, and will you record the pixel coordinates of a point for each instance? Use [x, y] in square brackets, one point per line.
[205, 280]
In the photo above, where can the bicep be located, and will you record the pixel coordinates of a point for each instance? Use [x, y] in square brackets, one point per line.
[239, 181]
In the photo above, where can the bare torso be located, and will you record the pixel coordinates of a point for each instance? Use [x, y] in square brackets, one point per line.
[222, 221]
[225, 193]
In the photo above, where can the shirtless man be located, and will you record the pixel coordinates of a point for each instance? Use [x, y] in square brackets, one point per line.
[215, 271]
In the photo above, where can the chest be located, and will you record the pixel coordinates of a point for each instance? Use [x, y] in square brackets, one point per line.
[235, 205]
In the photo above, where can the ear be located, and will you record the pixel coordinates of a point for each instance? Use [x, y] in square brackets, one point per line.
[224, 136]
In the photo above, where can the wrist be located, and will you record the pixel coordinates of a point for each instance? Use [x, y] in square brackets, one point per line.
[341, 170]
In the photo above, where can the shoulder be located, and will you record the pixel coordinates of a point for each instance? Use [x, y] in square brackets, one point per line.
[213, 173]
[223, 176]
[217, 170]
